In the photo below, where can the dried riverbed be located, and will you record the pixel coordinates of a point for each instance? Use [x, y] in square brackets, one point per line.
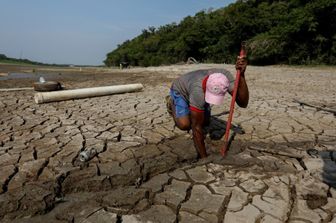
[146, 170]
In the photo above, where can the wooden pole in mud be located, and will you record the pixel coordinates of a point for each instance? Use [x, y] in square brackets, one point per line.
[233, 101]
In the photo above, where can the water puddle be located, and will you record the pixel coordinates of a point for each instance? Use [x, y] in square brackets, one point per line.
[30, 76]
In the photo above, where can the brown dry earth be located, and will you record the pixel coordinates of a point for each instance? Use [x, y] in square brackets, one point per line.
[146, 170]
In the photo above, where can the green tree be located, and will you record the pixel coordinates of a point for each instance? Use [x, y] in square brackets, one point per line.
[276, 31]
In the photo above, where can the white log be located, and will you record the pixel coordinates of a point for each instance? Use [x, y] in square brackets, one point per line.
[43, 97]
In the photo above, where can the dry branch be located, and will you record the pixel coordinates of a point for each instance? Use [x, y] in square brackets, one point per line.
[314, 106]
[280, 153]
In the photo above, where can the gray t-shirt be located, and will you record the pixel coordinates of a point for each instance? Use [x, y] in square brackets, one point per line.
[189, 86]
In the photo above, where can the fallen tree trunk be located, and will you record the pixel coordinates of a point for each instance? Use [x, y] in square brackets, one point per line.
[43, 97]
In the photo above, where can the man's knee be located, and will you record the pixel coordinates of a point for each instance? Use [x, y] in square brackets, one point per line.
[183, 124]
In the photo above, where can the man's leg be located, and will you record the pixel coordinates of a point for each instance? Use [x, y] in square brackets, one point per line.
[207, 114]
[180, 111]
[169, 105]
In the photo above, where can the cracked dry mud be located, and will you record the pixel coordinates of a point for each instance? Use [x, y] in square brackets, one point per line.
[146, 170]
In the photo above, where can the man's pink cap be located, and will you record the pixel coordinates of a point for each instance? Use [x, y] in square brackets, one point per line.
[216, 87]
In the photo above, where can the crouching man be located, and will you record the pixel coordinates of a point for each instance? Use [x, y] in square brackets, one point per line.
[192, 94]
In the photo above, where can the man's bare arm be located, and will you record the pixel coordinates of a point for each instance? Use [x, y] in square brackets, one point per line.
[243, 92]
[197, 122]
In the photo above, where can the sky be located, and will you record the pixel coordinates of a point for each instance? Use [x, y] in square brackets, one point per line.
[82, 32]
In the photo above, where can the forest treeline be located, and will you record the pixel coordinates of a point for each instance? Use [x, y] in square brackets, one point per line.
[276, 32]
[9, 60]
[5, 59]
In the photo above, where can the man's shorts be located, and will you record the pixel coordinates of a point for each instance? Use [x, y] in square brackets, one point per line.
[182, 107]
